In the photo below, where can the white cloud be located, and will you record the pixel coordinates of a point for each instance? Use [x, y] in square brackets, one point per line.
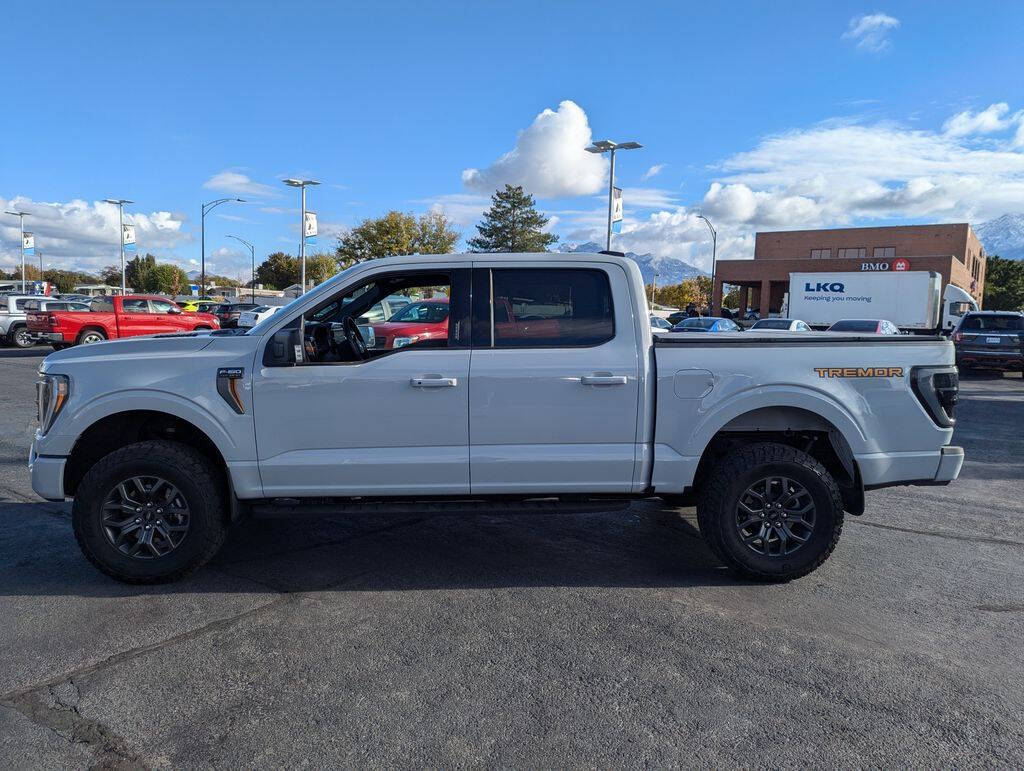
[84, 235]
[993, 119]
[654, 171]
[239, 184]
[838, 174]
[463, 209]
[870, 32]
[548, 160]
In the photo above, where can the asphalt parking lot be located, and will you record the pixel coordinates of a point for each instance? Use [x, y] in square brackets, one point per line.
[597, 639]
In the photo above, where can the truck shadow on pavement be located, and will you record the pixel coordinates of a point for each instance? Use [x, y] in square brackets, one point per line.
[646, 545]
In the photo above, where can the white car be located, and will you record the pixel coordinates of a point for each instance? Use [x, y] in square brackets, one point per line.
[658, 324]
[256, 315]
[546, 387]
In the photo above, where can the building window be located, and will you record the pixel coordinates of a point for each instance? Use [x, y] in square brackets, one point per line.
[820, 254]
[884, 252]
[852, 254]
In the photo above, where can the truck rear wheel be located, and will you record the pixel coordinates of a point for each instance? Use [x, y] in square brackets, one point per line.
[150, 512]
[771, 512]
[91, 336]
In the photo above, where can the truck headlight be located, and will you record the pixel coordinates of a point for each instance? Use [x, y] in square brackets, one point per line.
[52, 392]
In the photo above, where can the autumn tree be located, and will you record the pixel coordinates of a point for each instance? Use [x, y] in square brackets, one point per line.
[396, 233]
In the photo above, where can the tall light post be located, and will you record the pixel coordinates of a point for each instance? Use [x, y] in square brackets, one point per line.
[21, 216]
[714, 255]
[252, 253]
[205, 209]
[301, 184]
[607, 146]
[119, 203]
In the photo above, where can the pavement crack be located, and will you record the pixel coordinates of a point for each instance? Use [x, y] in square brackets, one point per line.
[49, 708]
[939, 533]
[1011, 608]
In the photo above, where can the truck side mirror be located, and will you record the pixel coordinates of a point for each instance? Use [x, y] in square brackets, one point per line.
[284, 348]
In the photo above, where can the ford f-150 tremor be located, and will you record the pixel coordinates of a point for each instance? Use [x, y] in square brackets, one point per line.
[550, 389]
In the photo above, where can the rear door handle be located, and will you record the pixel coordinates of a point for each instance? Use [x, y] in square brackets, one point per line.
[433, 381]
[604, 379]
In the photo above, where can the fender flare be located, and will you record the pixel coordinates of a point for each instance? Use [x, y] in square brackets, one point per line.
[153, 400]
[810, 400]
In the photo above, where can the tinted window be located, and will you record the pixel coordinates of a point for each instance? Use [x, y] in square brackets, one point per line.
[854, 325]
[161, 306]
[772, 324]
[1007, 323]
[551, 307]
[103, 304]
[697, 323]
[135, 306]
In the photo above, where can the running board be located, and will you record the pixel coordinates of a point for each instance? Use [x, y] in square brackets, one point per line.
[290, 507]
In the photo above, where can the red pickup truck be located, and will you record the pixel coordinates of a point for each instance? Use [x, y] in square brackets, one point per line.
[111, 317]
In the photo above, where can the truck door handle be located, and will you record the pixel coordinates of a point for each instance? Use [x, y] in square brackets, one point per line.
[433, 381]
[603, 379]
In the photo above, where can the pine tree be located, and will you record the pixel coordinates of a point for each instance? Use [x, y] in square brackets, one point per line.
[512, 224]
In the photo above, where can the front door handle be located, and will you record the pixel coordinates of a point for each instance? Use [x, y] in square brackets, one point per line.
[433, 381]
[604, 379]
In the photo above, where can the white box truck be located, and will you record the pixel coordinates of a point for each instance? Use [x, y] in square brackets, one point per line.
[913, 300]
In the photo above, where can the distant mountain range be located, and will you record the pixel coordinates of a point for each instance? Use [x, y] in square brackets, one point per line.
[1003, 236]
[670, 270]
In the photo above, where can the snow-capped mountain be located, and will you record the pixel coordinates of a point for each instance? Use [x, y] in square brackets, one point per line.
[669, 269]
[1003, 236]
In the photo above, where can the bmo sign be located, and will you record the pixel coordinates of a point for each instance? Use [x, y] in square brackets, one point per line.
[902, 263]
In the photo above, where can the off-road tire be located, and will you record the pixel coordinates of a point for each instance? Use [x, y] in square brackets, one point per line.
[197, 478]
[733, 474]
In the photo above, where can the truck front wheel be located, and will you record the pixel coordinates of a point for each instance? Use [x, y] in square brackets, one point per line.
[770, 512]
[150, 512]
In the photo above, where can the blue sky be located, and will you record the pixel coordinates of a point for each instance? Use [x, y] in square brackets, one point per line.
[766, 115]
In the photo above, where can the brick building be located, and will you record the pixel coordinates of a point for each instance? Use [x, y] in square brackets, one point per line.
[953, 251]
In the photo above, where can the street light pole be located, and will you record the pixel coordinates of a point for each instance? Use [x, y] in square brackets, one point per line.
[301, 184]
[714, 256]
[205, 209]
[252, 253]
[119, 203]
[21, 216]
[607, 146]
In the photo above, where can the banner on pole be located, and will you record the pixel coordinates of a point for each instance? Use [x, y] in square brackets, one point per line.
[128, 237]
[28, 244]
[309, 227]
[616, 209]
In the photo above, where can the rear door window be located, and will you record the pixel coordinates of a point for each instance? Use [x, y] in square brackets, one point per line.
[1007, 323]
[545, 307]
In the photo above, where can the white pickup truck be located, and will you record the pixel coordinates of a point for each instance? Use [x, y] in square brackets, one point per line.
[527, 380]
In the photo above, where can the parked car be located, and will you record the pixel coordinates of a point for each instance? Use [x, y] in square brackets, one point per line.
[547, 388]
[253, 317]
[707, 324]
[990, 340]
[874, 326]
[229, 313]
[658, 324]
[200, 306]
[414, 323]
[112, 316]
[792, 325]
[13, 322]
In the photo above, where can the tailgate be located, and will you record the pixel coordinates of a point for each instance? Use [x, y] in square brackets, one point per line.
[38, 322]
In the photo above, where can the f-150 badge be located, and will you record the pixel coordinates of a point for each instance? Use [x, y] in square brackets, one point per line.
[859, 371]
